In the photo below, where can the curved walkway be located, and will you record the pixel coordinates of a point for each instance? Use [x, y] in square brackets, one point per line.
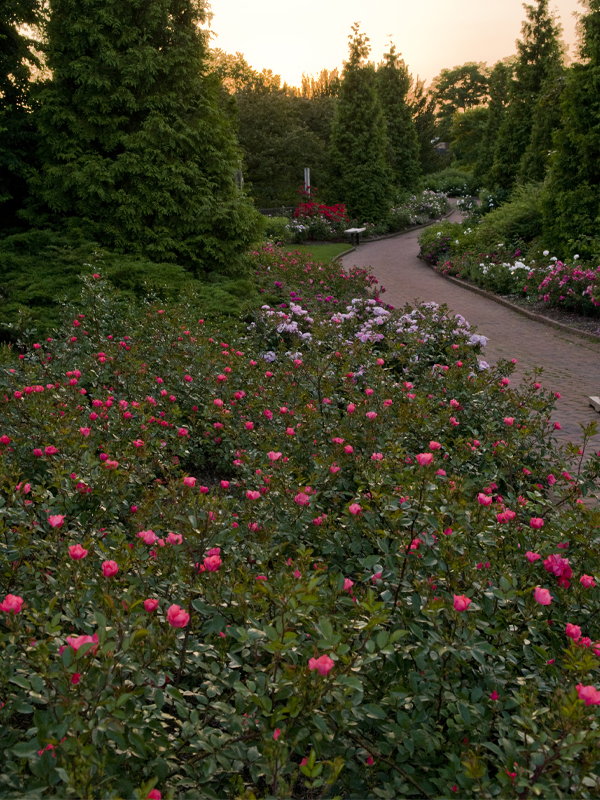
[571, 364]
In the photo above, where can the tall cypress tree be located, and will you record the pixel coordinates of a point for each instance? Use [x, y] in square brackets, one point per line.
[134, 140]
[17, 129]
[498, 90]
[361, 177]
[571, 196]
[539, 57]
[393, 83]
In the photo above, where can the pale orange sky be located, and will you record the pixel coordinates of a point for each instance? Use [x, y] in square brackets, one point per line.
[295, 36]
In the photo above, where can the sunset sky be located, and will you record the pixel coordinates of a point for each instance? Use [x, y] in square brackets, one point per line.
[291, 38]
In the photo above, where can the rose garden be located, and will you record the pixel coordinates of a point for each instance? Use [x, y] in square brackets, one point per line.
[263, 535]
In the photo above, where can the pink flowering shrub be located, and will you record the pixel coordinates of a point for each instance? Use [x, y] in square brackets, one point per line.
[366, 609]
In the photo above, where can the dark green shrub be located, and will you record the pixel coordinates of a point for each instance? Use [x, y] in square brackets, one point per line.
[518, 219]
[276, 228]
[453, 182]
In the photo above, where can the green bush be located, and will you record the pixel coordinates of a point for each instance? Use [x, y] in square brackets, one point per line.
[302, 561]
[519, 219]
[276, 228]
[453, 182]
[41, 269]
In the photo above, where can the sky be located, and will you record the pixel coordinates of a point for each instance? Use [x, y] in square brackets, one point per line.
[291, 38]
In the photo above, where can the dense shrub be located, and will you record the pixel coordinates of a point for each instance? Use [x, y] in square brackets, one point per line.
[277, 229]
[453, 182]
[519, 219]
[297, 562]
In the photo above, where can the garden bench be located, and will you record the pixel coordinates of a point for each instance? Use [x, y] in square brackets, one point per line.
[595, 403]
[355, 232]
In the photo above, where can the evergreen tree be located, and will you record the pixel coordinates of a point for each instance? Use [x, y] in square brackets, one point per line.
[571, 196]
[499, 84]
[361, 177]
[422, 106]
[393, 83]
[546, 118]
[466, 136]
[17, 130]
[539, 57]
[134, 140]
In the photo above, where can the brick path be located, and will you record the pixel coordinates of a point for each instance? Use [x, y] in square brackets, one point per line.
[571, 364]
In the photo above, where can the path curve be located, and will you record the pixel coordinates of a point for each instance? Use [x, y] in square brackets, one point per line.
[571, 364]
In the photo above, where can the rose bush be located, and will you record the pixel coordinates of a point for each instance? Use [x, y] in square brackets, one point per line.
[316, 604]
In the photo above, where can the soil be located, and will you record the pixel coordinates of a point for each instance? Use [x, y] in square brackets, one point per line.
[582, 323]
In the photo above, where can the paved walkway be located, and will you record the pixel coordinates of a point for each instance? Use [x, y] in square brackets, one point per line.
[571, 364]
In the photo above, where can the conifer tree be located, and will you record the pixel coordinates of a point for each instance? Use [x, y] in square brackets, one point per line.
[134, 140]
[546, 118]
[571, 196]
[539, 57]
[360, 174]
[393, 83]
[17, 130]
[498, 90]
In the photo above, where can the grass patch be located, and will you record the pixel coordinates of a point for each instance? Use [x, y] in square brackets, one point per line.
[320, 252]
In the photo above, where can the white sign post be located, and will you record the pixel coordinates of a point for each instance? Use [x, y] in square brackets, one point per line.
[307, 180]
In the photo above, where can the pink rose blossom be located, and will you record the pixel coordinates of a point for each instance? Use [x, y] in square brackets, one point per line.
[425, 459]
[212, 562]
[461, 602]
[12, 604]
[376, 577]
[542, 596]
[252, 495]
[323, 664]
[531, 557]
[351, 408]
[149, 537]
[174, 538]
[151, 604]
[302, 499]
[189, 481]
[273, 456]
[276, 734]
[509, 420]
[77, 552]
[536, 522]
[587, 581]
[354, 509]
[334, 468]
[297, 574]
[56, 520]
[484, 499]
[78, 641]
[109, 568]
[589, 694]
[177, 617]
[371, 415]
[434, 445]
[573, 631]
[494, 695]
[154, 794]
[348, 584]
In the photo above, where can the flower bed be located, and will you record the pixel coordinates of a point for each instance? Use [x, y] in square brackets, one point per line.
[320, 222]
[314, 557]
[451, 249]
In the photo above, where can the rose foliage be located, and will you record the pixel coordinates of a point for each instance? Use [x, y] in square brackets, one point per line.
[328, 554]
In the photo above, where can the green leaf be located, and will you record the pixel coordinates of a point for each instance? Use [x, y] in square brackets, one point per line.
[21, 680]
[373, 711]
[382, 639]
[465, 713]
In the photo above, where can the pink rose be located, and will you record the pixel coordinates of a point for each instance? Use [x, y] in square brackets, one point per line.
[434, 445]
[551, 479]
[587, 581]
[78, 641]
[252, 495]
[351, 408]
[212, 563]
[109, 568]
[276, 733]
[371, 415]
[536, 522]
[542, 596]
[354, 509]
[249, 426]
[531, 557]
[177, 617]
[461, 602]
[494, 695]
[425, 459]
[484, 499]
[12, 604]
[573, 631]
[151, 604]
[56, 520]
[149, 537]
[348, 584]
[376, 577]
[189, 481]
[77, 552]
[174, 538]
[323, 664]
[273, 456]
[589, 694]
[302, 499]
[297, 574]
[509, 420]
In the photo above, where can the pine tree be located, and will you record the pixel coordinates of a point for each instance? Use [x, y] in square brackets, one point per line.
[571, 196]
[539, 57]
[17, 129]
[134, 140]
[422, 107]
[546, 118]
[499, 92]
[361, 177]
[393, 83]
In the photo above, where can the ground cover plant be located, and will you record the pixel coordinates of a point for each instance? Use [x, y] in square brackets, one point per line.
[328, 554]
